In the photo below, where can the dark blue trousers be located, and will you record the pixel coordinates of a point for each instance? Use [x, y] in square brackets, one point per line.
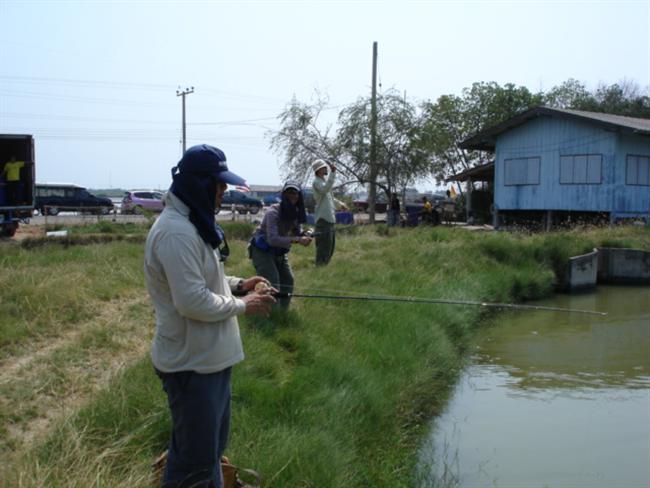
[200, 410]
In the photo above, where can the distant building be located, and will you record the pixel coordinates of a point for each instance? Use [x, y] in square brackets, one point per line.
[261, 191]
[550, 162]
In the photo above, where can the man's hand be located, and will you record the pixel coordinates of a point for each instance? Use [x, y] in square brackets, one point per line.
[258, 303]
[249, 284]
[332, 167]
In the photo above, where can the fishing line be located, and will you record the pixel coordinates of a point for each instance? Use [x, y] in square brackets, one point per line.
[439, 301]
[339, 291]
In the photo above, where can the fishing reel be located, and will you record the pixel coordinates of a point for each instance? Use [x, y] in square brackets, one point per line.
[262, 288]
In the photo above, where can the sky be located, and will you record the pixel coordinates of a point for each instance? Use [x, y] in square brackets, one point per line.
[96, 81]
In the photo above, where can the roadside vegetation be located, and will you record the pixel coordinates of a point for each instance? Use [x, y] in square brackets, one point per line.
[332, 394]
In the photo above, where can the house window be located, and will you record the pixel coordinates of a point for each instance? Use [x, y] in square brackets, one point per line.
[581, 169]
[637, 170]
[521, 171]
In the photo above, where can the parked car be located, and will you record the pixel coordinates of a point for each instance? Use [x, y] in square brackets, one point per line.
[137, 201]
[242, 202]
[51, 198]
[272, 199]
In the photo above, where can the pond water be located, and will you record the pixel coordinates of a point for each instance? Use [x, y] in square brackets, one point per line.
[551, 400]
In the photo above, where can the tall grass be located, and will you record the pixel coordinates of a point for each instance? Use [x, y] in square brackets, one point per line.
[332, 393]
[46, 291]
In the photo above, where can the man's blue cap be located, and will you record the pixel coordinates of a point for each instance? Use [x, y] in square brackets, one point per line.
[207, 160]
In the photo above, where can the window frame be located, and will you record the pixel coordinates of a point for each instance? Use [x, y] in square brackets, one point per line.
[627, 169]
[573, 162]
[527, 159]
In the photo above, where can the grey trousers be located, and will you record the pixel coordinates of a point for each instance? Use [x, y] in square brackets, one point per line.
[276, 269]
[325, 242]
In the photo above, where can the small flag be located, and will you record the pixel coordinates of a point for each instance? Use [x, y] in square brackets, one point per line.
[243, 188]
[453, 192]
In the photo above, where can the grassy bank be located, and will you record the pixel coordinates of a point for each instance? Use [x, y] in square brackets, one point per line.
[333, 394]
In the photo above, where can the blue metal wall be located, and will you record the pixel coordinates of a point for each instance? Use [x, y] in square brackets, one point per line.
[549, 138]
[630, 200]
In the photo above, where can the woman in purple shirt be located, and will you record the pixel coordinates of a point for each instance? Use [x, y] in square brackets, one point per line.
[269, 246]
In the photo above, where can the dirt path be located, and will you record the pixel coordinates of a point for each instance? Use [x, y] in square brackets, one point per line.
[53, 378]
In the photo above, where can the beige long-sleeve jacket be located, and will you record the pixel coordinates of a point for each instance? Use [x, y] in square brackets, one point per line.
[196, 324]
[325, 202]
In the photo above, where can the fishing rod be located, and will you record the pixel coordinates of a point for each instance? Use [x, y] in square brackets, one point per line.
[438, 301]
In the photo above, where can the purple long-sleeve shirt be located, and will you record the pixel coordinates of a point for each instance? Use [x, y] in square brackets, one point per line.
[277, 232]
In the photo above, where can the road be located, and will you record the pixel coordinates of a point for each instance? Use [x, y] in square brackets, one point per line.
[74, 218]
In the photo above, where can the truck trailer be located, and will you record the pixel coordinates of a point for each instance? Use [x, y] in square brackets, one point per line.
[17, 177]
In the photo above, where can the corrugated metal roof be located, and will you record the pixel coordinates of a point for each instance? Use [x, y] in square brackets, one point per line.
[485, 140]
[641, 125]
[484, 172]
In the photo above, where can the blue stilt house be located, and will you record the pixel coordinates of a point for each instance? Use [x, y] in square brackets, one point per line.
[551, 162]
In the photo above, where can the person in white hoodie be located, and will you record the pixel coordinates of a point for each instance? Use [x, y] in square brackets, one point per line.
[196, 340]
[324, 213]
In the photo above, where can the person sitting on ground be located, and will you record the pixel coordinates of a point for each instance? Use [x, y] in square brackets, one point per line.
[270, 245]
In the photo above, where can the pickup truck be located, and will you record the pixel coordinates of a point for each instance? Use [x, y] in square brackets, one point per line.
[16, 181]
[242, 202]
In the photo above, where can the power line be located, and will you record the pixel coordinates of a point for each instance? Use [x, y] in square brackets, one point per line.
[234, 122]
[76, 98]
[59, 117]
[68, 82]
[77, 82]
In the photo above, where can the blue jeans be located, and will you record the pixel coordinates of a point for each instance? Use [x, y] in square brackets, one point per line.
[200, 410]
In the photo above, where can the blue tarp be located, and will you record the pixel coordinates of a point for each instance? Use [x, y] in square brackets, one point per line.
[413, 215]
[346, 218]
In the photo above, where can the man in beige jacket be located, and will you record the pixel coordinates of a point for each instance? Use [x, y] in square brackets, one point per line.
[196, 340]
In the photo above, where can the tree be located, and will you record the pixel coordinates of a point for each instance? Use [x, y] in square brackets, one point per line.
[623, 98]
[304, 137]
[570, 94]
[402, 158]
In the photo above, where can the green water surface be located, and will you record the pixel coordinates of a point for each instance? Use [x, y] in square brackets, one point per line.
[552, 400]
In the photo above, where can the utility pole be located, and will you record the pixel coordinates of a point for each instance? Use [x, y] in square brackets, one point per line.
[372, 191]
[180, 93]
